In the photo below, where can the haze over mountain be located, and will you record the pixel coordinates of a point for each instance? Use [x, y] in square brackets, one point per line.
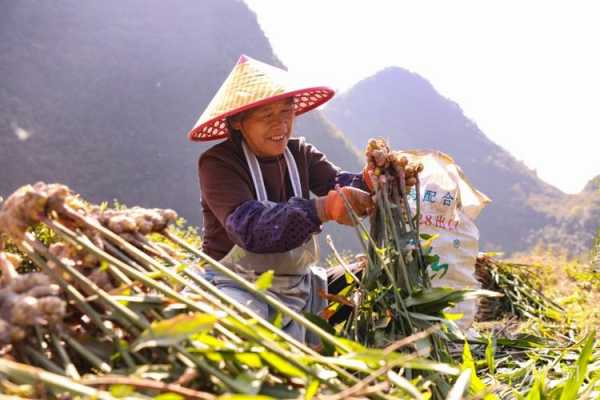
[405, 108]
[100, 96]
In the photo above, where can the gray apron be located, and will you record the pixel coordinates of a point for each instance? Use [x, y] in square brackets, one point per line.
[297, 281]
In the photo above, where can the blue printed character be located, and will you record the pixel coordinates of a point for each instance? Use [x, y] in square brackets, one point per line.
[429, 196]
[447, 199]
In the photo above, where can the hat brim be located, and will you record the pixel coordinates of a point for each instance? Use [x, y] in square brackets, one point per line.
[304, 101]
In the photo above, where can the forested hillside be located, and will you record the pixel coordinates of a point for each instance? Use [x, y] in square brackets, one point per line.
[100, 96]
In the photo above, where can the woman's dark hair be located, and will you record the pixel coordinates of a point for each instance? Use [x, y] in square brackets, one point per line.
[234, 134]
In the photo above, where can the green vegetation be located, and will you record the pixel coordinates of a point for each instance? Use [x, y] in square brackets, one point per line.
[139, 337]
[552, 351]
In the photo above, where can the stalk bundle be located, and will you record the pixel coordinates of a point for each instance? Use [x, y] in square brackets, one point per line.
[394, 298]
[104, 317]
[522, 296]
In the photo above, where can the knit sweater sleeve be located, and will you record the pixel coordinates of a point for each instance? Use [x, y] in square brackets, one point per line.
[260, 227]
[267, 227]
[325, 175]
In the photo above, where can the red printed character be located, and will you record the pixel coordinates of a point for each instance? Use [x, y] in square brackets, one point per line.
[428, 220]
[452, 224]
[440, 221]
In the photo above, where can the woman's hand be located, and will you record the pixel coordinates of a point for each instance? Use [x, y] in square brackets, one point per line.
[332, 207]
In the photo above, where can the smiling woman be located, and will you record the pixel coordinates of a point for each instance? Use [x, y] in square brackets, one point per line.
[258, 214]
[266, 129]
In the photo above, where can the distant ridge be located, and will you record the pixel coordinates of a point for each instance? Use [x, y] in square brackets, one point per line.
[404, 107]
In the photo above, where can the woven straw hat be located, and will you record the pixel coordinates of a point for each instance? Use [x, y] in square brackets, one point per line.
[252, 83]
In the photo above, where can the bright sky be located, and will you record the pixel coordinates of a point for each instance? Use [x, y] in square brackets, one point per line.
[527, 72]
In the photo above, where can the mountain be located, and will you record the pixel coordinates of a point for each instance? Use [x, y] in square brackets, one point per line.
[405, 108]
[100, 96]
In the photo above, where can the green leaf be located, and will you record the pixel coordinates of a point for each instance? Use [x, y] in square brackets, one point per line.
[489, 355]
[428, 242]
[214, 356]
[460, 386]
[436, 299]
[537, 388]
[171, 331]
[251, 381]
[278, 320]
[211, 343]
[553, 314]
[523, 341]
[103, 265]
[477, 387]
[121, 390]
[369, 359]
[230, 321]
[349, 363]
[430, 295]
[281, 365]
[404, 384]
[432, 260]
[244, 397]
[423, 346]
[312, 389]
[251, 360]
[261, 331]
[352, 345]
[264, 281]
[428, 365]
[453, 316]
[580, 372]
[281, 391]
[349, 278]
[328, 348]
[169, 396]
[324, 374]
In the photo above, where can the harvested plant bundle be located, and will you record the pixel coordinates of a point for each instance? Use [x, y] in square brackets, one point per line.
[395, 286]
[393, 299]
[141, 333]
[522, 297]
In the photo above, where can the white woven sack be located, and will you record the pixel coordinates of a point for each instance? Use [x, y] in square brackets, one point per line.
[449, 207]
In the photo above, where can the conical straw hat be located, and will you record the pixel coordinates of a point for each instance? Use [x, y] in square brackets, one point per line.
[252, 83]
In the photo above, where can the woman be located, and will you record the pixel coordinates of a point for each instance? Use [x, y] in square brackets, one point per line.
[255, 188]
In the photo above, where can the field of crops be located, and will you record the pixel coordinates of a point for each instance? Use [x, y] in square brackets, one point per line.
[91, 306]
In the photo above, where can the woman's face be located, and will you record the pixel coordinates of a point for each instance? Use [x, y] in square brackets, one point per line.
[266, 129]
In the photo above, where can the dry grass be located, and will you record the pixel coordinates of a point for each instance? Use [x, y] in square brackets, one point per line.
[570, 281]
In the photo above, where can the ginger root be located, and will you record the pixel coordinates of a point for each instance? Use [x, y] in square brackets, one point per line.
[381, 160]
[26, 300]
[137, 219]
[84, 262]
[28, 205]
